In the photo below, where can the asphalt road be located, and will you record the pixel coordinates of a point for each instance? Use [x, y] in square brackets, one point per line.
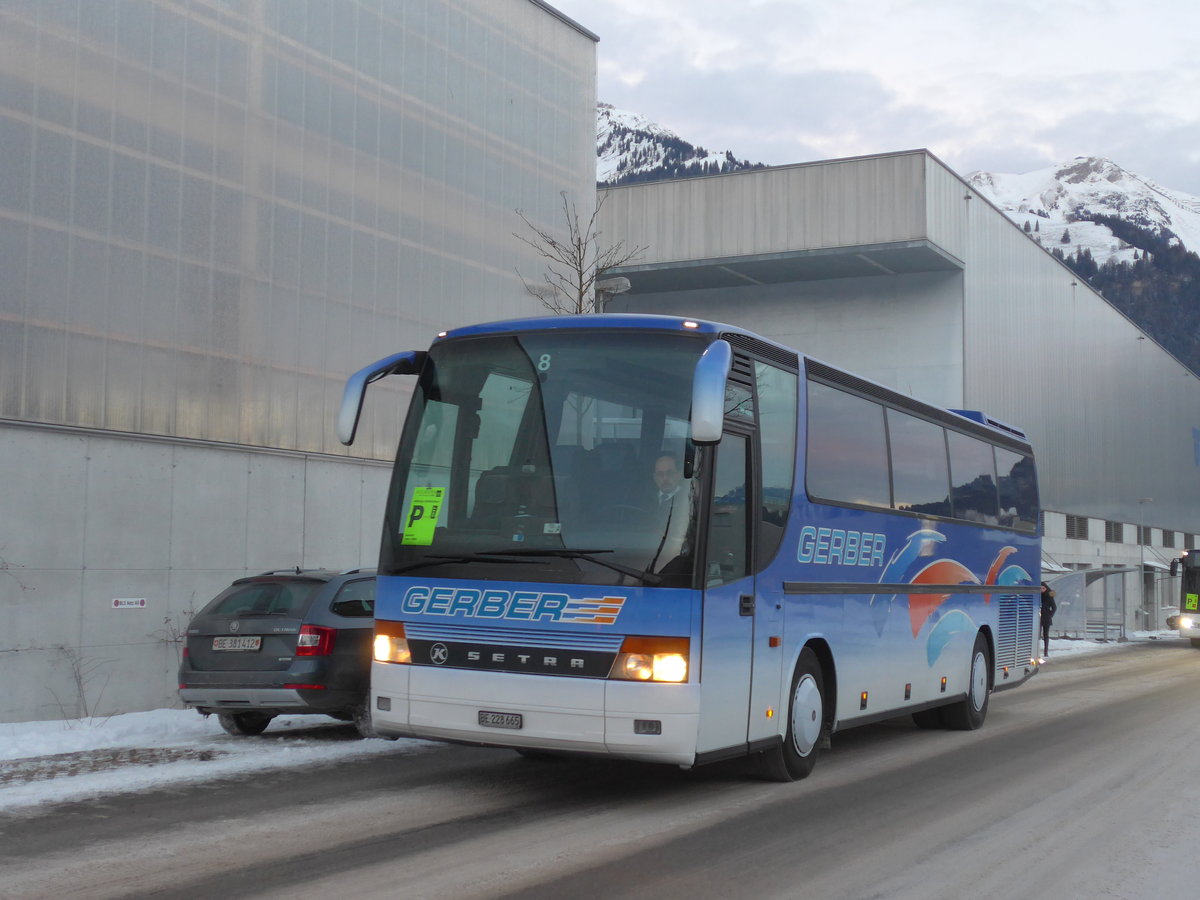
[1072, 788]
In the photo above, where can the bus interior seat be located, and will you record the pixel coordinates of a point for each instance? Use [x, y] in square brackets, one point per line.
[613, 477]
[492, 498]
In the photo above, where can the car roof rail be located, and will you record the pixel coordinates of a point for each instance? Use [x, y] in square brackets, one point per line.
[356, 570]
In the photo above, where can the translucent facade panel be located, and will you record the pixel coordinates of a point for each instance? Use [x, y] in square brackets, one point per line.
[213, 213]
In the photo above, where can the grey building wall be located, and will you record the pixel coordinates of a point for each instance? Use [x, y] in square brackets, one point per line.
[853, 318]
[1111, 413]
[893, 267]
[95, 518]
[211, 214]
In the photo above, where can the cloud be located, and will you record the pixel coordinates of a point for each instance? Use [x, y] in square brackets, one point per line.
[801, 117]
[1007, 83]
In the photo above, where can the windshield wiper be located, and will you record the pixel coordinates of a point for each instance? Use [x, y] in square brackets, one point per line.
[590, 555]
[438, 559]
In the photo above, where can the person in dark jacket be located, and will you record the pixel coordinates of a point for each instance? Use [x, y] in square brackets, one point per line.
[1049, 608]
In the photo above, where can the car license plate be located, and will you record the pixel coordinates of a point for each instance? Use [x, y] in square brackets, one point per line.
[500, 720]
[240, 642]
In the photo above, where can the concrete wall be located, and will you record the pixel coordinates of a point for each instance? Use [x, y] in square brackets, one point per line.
[1110, 413]
[993, 321]
[810, 207]
[903, 331]
[90, 517]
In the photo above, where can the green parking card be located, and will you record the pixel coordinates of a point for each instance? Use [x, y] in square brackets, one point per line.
[422, 516]
[1191, 602]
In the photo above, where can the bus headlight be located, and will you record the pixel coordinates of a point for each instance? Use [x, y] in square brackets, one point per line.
[1186, 622]
[391, 645]
[663, 659]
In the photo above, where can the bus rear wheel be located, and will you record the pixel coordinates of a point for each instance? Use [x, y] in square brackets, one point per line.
[796, 755]
[969, 712]
[929, 718]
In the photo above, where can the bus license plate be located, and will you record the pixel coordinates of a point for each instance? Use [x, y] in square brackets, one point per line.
[500, 720]
[241, 642]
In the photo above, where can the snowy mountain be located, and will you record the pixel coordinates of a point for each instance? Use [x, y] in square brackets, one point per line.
[1067, 199]
[1078, 197]
[631, 148]
[1132, 240]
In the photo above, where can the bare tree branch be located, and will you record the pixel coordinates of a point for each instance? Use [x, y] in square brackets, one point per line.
[574, 265]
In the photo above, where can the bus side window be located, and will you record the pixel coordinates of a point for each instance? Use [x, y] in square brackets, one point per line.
[847, 448]
[777, 439]
[727, 527]
[1018, 490]
[973, 479]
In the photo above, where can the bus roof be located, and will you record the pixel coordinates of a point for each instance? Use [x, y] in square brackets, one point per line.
[623, 321]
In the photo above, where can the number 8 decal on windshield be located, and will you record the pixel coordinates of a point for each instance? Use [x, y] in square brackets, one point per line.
[544, 363]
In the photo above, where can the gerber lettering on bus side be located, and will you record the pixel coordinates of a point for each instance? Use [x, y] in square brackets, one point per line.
[529, 606]
[840, 547]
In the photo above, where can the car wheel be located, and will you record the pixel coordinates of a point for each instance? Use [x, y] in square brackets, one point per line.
[796, 755]
[968, 714]
[244, 724]
[361, 716]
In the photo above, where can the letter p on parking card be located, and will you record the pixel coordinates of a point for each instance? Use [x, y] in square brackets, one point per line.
[422, 516]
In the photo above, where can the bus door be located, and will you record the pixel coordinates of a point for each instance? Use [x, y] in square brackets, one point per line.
[728, 619]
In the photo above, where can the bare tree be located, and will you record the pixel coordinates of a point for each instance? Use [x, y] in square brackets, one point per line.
[576, 265]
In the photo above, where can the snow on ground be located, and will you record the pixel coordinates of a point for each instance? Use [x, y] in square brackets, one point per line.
[76, 759]
[59, 761]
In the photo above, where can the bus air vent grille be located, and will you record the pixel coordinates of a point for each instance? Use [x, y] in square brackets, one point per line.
[1016, 629]
[789, 359]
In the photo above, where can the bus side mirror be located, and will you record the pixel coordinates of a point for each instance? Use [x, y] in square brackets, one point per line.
[407, 363]
[1175, 567]
[708, 392]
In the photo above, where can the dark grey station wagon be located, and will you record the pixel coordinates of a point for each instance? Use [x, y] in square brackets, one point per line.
[285, 642]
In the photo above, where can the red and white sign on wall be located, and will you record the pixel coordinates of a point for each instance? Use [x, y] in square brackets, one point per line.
[129, 603]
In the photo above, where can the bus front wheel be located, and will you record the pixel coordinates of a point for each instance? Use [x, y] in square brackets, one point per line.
[969, 712]
[796, 755]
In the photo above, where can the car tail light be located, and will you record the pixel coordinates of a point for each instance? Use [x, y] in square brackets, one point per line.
[315, 640]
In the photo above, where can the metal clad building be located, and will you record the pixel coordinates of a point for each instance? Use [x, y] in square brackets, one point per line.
[212, 212]
[893, 267]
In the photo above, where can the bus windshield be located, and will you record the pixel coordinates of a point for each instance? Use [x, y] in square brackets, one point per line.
[549, 457]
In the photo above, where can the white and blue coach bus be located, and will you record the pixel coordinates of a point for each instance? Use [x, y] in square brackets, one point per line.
[675, 541]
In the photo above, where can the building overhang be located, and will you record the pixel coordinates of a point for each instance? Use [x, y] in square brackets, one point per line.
[899, 258]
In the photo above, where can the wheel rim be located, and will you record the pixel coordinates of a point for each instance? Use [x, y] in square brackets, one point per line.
[979, 681]
[806, 715]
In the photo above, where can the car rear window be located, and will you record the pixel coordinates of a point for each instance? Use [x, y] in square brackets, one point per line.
[284, 598]
[356, 599]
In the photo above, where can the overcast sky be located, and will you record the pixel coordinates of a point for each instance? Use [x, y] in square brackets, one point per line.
[1001, 85]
